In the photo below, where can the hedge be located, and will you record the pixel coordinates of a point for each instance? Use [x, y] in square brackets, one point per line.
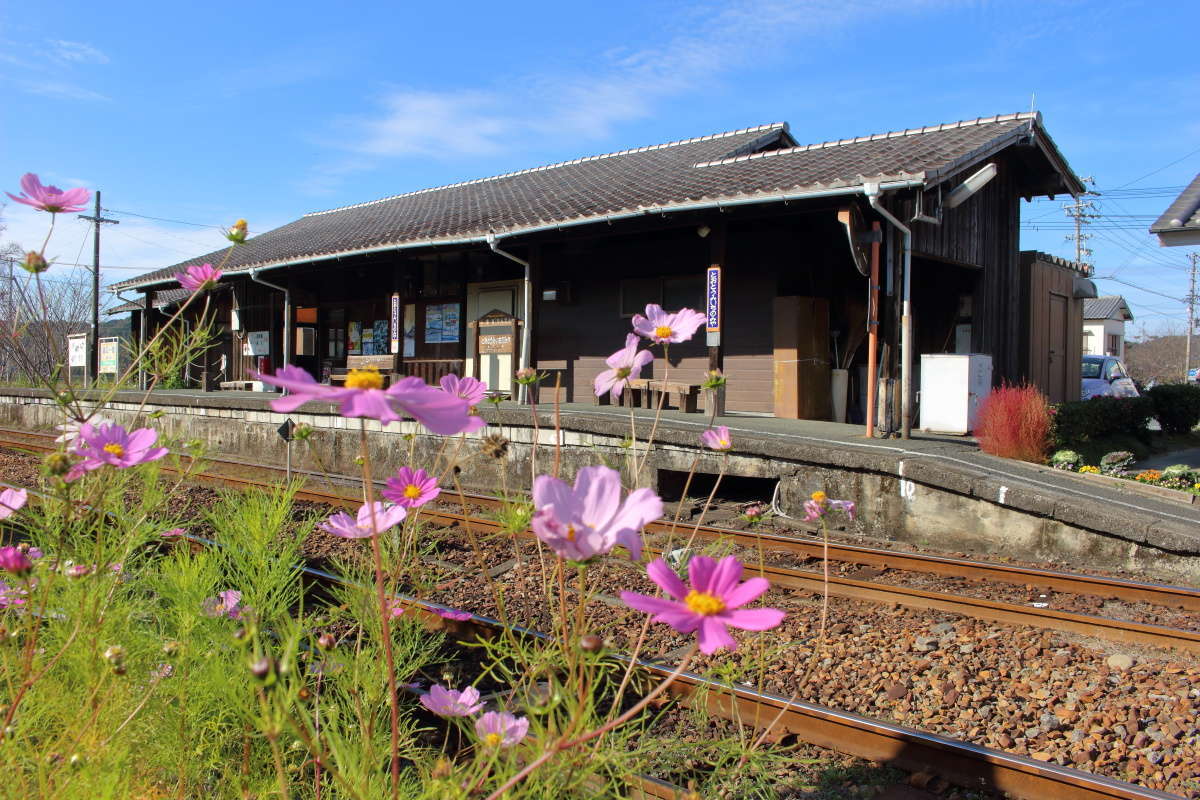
[1101, 417]
[1177, 406]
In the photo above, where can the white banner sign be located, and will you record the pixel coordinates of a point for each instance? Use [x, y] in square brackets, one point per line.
[77, 347]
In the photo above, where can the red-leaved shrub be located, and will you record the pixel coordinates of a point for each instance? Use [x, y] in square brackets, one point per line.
[1014, 422]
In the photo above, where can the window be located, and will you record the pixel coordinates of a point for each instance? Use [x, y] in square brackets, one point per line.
[1113, 371]
[1114, 344]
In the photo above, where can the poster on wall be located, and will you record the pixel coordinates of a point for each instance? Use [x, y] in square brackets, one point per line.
[410, 331]
[382, 347]
[433, 324]
[257, 343]
[450, 322]
[354, 338]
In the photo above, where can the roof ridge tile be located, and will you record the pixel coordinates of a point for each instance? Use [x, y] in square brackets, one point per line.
[874, 137]
[556, 165]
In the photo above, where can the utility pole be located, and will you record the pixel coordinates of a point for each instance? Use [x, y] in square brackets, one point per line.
[97, 220]
[1191, 324]
[1082, 212]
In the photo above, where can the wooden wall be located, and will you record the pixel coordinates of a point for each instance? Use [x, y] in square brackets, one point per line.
[1039, 281]
[984, 232]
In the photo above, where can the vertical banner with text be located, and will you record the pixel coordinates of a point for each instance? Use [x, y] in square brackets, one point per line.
[712, 303]
[396, 330]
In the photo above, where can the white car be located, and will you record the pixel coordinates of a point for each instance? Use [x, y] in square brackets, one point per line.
[1105, 376]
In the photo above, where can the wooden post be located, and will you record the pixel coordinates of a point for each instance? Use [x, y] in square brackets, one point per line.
[873, 333]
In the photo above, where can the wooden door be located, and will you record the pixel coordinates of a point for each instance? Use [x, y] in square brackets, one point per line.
[1057, 362]
[801, 358]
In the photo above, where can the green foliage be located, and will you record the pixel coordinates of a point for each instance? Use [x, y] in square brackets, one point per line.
[1066, 459]
[1101, 417]
[1177, 406]
[1117, 463]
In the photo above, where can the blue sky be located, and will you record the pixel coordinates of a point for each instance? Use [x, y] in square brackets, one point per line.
[266, 111]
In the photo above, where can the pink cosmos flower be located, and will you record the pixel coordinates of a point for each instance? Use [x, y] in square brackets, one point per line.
[470, 389]
[343, 525]
[173, 533]
[77, 570]
[70, 430]
[451, 703]
[11, 596]
[11, 500]
[226, 604]
[820, 505]
[112, 445]
[717, 438]
[50, 198]
[364, 396]
[198, 277]
[624, 365]
[411, 488]
[660, 327]
[14, 561]
[395, 608]
[500, 729]
[590, 519]
[711, 605]
[454, 614]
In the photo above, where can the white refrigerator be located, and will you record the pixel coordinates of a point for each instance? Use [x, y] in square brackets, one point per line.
[952, 387]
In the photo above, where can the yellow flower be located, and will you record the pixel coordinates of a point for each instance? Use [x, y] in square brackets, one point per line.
[819, 497]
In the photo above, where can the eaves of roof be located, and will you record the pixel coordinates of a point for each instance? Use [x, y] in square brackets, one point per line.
[1180, 223]
[659, 179]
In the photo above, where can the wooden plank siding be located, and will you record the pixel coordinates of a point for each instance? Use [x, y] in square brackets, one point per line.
[1039, 281]
[984, 232]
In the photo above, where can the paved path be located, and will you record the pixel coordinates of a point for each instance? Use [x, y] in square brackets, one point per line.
[1190, 456]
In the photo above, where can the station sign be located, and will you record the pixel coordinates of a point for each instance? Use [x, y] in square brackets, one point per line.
[109, 350]
[712, 302]
[77, 350]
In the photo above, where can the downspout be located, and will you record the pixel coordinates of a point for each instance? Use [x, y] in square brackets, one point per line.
[871, 190]
[287, 315]
[527, 296]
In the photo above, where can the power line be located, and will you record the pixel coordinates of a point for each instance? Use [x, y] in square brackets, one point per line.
[1160, 169]
[164, 219]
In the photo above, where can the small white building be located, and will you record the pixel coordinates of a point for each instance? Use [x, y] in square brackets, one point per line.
[1104, 321]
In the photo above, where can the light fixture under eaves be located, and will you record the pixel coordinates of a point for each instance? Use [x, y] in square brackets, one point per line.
[703, 231]
[970, 186]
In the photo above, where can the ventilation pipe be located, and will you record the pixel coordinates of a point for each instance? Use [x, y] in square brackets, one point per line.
[527, 301]
[871, 190]
[287, 315]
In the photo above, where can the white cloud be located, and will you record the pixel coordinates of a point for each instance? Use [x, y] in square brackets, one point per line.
[129, 249]
[59, 89]
[76, 52]
[702, 45]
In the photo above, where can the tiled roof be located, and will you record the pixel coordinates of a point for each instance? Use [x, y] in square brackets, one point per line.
[726, 168]
[1110, 307]
[1183, 214]
[161, 298]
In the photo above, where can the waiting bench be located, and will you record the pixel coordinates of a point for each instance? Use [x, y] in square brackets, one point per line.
[645, 392]
[386, 364]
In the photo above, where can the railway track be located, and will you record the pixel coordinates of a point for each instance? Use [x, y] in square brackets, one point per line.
[1115, 630]
[961, 763]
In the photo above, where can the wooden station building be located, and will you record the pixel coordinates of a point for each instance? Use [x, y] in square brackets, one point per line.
[775, 240]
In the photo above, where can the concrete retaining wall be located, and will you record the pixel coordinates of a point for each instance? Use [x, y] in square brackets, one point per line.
[932, 503]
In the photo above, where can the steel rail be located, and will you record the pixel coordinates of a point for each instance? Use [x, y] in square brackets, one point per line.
[962, 763]
[1171, 596]
[979, 608]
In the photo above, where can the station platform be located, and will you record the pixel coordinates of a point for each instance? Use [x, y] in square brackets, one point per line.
[931, 489]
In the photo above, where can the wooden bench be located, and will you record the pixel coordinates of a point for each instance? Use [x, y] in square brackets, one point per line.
[687, 395]
[644, 392]
[386, 364]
